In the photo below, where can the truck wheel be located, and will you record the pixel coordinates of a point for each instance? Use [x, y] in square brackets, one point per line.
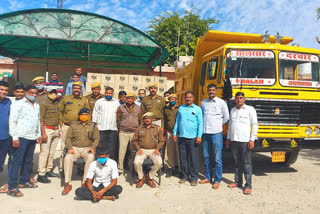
[291, 157]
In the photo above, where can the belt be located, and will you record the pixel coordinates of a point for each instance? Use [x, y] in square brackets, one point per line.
[52, 127]
[170, 131]
[66, 124]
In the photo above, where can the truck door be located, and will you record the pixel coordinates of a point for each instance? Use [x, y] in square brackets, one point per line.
[208, 76]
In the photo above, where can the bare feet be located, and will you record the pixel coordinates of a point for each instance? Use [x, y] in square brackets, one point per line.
[111, 198]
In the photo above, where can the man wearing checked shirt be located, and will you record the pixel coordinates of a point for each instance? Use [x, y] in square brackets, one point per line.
[189, 128]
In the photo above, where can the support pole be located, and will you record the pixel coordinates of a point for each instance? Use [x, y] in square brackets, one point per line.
[88, 65]
[47, 62]
[160, 63]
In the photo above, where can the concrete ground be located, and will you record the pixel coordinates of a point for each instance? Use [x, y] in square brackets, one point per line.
[276, 189]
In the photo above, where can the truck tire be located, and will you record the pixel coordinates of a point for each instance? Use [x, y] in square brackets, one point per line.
[291, 157]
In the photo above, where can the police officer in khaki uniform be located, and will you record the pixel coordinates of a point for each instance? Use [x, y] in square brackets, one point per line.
[81, 140]
[49, 121]
[92, 98]
[39, 83]
[68, 108]
[148, 140]
[171, 147]
[153, 103]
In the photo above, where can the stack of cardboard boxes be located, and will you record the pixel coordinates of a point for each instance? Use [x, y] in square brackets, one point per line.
[125, 82]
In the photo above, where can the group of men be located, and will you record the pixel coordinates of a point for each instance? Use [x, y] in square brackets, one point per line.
[101, 130]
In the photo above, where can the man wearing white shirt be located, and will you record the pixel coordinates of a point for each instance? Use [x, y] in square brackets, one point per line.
[215, 114]
[242, 132]
[102, 179]
[24, 127]
[105, 115]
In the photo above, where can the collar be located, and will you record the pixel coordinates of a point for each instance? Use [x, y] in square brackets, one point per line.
[56, 81]
[214, 99]
[189, 106]
[152, 126]
[157, 97]
[5, 100]
[79, 122]
[132, 106]
[100, 96]
[243, 107]
[80, 97]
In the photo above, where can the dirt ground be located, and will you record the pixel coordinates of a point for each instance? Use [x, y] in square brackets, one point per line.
[276, 189]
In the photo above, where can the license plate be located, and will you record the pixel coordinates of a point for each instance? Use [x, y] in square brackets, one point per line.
[278, 157]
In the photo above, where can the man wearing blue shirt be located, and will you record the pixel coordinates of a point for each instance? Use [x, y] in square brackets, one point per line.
[4, 122]
[189, 128]
[75, 78]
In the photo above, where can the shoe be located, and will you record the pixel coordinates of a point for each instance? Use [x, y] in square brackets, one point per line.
[169, 173]
[140, 183]
[43, 179]
[151, 183]
[233, 185]
[181, 181]
[67, 189]
[215, 185]
[83, 184]
[247, 191]
[204, 181]
[193, 183]
[52, 174]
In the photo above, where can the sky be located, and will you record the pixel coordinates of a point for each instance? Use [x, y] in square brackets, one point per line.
[294, 18]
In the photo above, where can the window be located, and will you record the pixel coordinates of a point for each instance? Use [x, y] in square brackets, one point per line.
[203, 73]
[212, 69]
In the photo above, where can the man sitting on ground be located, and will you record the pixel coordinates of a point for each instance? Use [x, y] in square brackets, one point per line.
[102, 179]
[148, 140]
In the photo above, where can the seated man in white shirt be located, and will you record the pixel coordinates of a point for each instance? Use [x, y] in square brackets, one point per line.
[102, 179]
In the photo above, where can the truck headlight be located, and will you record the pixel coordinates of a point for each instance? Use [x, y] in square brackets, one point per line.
[308, 131]
[316, 131]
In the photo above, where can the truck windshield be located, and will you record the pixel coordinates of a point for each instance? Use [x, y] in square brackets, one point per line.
[251, 67]
[298, 70]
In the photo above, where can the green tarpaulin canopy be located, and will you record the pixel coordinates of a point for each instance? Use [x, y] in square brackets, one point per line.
[75, 35]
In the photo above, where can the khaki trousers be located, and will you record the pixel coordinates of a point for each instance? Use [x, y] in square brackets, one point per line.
[47, 150]
[71, 158]
[124, 140]
[172, 152]
[64, 130]
[138, 161]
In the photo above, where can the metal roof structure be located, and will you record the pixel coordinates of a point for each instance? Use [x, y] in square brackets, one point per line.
[75, 35]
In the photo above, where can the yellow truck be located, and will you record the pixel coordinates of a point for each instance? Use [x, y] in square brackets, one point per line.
[281, 81]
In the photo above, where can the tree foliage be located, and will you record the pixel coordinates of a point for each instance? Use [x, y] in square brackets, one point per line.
[165, 29]
[318, 13]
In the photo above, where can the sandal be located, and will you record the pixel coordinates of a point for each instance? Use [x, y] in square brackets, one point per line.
[28, 185]
[33, 181]
[4, 188]
[15, 193]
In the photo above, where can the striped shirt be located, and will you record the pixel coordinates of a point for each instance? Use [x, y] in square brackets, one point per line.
[24, 120]
[105, 114]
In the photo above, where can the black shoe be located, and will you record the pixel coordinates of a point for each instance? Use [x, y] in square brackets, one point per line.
[52, 174]
[169, 173]
[43, 179]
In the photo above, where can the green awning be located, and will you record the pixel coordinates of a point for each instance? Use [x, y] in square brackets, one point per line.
[75, 35]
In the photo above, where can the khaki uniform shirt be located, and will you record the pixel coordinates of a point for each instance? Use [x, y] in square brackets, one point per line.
[148, 138]
[49, 113]
[41, 98]
[170, 117]
[79, 135]
[69, 108]
[155, 106]
[92, 100]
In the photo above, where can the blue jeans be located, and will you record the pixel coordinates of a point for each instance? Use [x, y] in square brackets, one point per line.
[189, 153]
[4, 149]
[212, 145]
[21, 159]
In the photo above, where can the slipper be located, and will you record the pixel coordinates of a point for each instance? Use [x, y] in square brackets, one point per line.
[247, 191]
[15, 193]
[28, 185]
[4, 188]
